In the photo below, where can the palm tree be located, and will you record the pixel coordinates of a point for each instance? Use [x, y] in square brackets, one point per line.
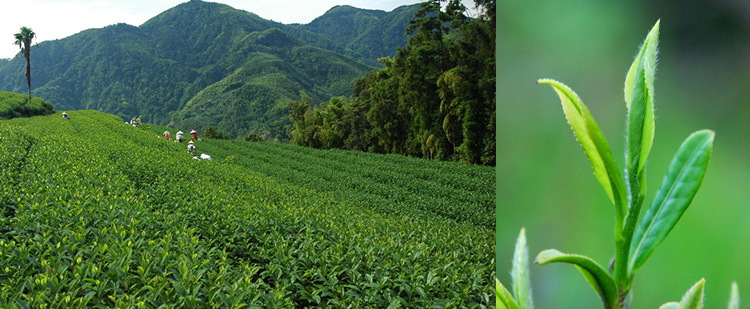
[23, 40]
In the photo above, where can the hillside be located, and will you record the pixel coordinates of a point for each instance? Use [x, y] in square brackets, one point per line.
[166, 68]
[371, 33]
[100, 213]
[13, 105]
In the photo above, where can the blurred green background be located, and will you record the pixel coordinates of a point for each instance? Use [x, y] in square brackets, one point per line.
[545, 182]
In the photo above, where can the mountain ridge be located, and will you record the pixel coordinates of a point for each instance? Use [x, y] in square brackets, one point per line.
[159, 69]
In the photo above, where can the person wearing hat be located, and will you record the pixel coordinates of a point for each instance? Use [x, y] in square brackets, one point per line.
[191, 147]
[195, 135]
[65, 115]
[167, 135]
[179, 137]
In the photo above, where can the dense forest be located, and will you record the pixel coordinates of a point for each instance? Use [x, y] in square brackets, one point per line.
[435, 98]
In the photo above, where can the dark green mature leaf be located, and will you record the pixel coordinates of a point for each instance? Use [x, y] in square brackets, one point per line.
[677, 190]
[593, 142]
[595, 275]
[520, 273]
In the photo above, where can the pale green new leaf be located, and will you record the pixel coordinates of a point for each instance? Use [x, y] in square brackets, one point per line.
[648, 52]
[639, 98]
[670, 305]
[520, 273]
[503, 297]
[594, 144]
[734, 297]
[677, 190]
[595, 275]
[693, 298]
[638, 138]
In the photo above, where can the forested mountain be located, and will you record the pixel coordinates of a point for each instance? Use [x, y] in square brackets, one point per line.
[205, 64]
[434, 99]
[371, 33]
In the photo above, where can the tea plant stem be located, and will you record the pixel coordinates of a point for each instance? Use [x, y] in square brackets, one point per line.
[623, 239]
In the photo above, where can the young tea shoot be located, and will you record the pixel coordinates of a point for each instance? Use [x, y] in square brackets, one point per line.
[634, 241]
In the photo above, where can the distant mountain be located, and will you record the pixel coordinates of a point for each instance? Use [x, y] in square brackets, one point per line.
[371, 33]
[207, 64]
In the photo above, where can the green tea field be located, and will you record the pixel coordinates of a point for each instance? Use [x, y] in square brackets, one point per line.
[98, 213]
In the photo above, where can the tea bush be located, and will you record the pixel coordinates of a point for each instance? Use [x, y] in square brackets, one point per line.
[14, 105]
[100, 214]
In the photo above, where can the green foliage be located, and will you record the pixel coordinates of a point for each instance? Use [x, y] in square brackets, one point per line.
[693, 298]
[680, 185]
[634, 244]
[734, 297]
[13, 105]
[520, 273]
[521, 297]
[449, 191]
[434, 99]
[254, 137]
[594, 144]
[504, 298]
[369, 33]
[595, 275]
[211, 132]
[132, 221]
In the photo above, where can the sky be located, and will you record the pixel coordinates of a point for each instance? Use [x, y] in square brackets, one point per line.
[57, 19]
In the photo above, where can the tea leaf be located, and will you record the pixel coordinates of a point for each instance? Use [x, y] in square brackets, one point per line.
[648, 53]
[595, 275]
[734, 297]
[520, 273]
[677, 190]
[639, 98]
[503, 298]
[593, 142]
[645, 64]
[693, 298]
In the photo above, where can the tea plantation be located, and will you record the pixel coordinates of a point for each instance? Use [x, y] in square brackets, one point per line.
[98, 213]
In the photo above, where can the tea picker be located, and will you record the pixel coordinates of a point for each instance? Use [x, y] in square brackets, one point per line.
[191, 147]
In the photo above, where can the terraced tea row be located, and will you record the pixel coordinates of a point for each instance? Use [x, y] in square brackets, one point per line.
[374, 181]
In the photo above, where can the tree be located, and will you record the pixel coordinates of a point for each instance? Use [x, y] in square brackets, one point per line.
[211, 132]
[23, 40]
